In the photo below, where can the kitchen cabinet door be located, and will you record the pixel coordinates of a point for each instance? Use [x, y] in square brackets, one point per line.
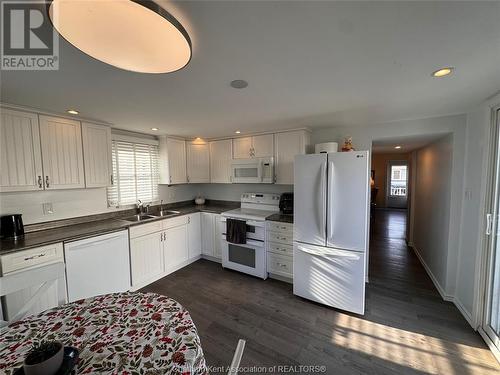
[62, 155]
[175, 247]
[220, 161]
[242, 148]
[198, 165]
[146, 259]
[287, 145]
[21, 158]
[194, 235]
[218, 229]
[207, 233]
[263, 146]
[177, 161]
[97, 155]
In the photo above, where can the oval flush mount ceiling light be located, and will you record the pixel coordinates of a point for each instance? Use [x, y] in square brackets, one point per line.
[135, 35]
[397, 147]
[239, 84]
[443, 72]
[72, 111]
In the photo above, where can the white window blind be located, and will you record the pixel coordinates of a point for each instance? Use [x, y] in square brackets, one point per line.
[135, 173]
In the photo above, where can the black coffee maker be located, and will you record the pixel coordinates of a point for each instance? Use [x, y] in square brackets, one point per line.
[286, 203]
[11, 226]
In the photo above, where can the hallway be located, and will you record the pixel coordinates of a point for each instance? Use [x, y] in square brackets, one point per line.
[407, 327]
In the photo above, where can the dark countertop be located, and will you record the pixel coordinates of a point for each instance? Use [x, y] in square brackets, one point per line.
[282, 218]
[97, 227]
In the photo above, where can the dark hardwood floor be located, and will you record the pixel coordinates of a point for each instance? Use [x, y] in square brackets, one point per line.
[407, 327]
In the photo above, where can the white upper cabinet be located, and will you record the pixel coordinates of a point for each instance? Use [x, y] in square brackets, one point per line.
[172, 161]
[198, 165]
[263, 145]
[62, 155]
[21, 160]
[220, 161]
[253, 147]
[97, 155]
[287, 145]
[242, 148]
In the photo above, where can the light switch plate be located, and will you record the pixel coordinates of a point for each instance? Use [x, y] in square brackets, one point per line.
[47, 208]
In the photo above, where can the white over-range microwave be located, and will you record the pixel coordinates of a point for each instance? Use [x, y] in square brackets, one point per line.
[253, 171]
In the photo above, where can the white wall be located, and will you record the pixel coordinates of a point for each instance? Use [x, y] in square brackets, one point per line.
[431, 213]
[76, 202]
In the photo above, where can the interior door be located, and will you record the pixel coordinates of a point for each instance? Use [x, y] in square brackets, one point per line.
[310, 199]
[491, 320]
[347, 216]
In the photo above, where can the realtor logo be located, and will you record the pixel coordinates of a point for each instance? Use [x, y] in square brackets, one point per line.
[29, 42]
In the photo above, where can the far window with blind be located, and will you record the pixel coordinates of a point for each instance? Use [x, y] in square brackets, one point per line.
[135, 172]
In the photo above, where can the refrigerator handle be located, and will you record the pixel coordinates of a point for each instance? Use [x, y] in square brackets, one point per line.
[328, 254]
[329, 215]
[321, 211]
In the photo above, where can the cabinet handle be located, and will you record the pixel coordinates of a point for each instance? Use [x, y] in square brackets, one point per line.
[112, 180]
[187, 178]
[35, 256]
[161, 237]
[170, 179]
[47, 181]
[189, 220]
[40, 182]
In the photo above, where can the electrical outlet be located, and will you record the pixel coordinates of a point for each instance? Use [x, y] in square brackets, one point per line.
[47, 208]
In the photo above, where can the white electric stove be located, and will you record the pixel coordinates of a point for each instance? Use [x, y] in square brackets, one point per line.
[250, 257]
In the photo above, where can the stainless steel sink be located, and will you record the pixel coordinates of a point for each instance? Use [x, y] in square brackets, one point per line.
[136, 218]
[168, 213]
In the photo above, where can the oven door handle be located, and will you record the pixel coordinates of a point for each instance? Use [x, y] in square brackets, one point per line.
[249, 243]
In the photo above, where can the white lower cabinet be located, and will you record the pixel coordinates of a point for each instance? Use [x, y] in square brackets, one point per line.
[162, 247]
[175, 248]
[146, 258]
[210, 235]
[280, 250]
[23, 261]
[194, 235]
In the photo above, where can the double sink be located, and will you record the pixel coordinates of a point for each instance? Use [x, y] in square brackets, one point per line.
[146, 217]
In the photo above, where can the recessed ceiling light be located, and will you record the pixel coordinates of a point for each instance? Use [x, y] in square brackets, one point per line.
[239, 84]
[442, 72]
[397, 147]
[237, 132]
[154, 129]
[136, 35]
[72, 111]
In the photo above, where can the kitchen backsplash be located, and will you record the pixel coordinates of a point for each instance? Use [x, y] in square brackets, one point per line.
[81, 202]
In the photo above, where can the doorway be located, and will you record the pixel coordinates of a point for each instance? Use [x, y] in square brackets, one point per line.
[397, 184]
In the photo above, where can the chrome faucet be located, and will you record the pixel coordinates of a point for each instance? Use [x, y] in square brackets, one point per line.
[161, 206]
[139, 206]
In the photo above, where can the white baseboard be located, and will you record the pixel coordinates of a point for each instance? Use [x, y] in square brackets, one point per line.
[447, 297]
[211, 258]
[438, 286]
[467, 315]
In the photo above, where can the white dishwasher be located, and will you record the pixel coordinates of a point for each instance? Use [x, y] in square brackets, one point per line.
[97, 265]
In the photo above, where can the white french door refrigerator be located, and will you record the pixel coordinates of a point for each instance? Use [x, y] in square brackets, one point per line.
[331, 221]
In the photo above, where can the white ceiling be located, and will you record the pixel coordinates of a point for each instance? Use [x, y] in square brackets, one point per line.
[408, 143]
[308, 64]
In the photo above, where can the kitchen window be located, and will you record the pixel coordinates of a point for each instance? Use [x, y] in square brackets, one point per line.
[135, 172]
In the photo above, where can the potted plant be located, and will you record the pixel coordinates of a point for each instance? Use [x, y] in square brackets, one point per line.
[44, 358]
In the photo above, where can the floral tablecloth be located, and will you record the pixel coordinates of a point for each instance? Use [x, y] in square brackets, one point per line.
[123, 333]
